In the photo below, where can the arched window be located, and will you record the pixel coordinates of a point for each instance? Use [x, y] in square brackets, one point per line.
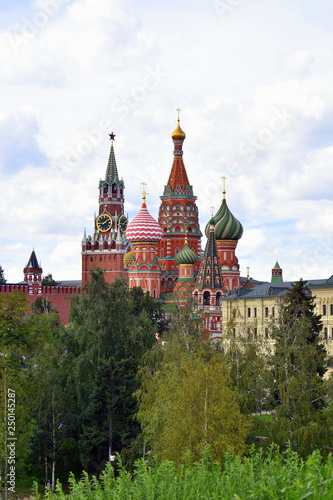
[218, 298]
[206, 298]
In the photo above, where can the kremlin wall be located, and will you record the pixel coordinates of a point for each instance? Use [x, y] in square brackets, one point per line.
[165, 258]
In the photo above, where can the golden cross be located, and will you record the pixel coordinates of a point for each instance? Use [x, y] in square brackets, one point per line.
[186, 231]
[144, 192]
[178, 110]
[212, 211]
[224, 180]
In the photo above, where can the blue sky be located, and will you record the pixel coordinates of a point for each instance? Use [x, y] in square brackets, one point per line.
[253, 79]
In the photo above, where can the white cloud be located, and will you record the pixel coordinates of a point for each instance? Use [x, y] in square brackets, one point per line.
[254, 86]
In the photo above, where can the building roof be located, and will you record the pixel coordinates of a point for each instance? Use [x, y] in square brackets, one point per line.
[144, 227]
[227, 227]
[111, 175]
[33, 262]
[271, 289]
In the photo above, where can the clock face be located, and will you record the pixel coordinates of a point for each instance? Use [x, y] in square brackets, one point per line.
[104, 223]
[122, 223]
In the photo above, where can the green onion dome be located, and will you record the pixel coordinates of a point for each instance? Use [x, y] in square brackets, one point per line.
[186, 256]
[227, 227]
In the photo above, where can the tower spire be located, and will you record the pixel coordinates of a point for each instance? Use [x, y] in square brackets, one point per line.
[144, 192]
[111, 175]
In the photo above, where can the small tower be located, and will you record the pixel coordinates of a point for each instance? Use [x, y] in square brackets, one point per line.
[106, 247]
[277, 274]
[144, 233]
[186, 259]
[209, 286]
[228, 230]
[33, 275]
[178, 212]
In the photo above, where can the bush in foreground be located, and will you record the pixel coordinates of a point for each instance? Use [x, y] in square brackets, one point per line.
[259, 476]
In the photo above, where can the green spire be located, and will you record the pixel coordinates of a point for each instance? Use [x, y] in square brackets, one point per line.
[277, 274]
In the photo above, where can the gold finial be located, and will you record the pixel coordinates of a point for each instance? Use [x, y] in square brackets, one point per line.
[224, 182]
[144, 192]
[212, 211]
[248, 273]
[178, 111]
[186, 231]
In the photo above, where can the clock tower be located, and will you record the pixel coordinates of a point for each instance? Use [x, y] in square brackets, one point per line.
[106, 246]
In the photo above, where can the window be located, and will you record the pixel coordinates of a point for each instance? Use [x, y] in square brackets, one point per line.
[255, 312]
[249, 312]
[266, 333]
[206, 298]
[234, 332]
[266, 312]
[255, 332]
[325, 333]
[324, 309]
[331, 309]
[273, 311]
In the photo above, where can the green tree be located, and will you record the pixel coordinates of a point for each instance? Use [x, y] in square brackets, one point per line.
[16, 345]
[48, 280]
[188, 402]
[3, 281]
[105, 342]
[297, 366]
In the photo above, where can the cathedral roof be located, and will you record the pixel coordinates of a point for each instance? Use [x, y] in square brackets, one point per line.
[178, 134]
[186, 256]
[111, 175]
[144, 227]
[178, 182]
[209, 274]
[227, 227]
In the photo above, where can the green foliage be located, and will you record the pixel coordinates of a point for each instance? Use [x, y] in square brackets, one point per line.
[3, 280]
[187, 403]
[48, 280]
[105, 342]
[297, 366]
[258, 476]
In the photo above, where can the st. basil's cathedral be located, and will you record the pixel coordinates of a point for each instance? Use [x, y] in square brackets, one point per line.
[163, 257]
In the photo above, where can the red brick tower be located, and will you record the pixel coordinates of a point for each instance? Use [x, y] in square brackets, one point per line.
[33, 275]
[144, 234]
[178, 211]
[106, 247]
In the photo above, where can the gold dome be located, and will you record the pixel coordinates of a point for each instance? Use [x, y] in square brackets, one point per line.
[178, 134]
[128, 258]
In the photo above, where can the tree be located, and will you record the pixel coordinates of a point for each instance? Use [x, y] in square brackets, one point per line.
[3, 281]
[105, 342]
[48, 280]
[297, 366]
[188, 403]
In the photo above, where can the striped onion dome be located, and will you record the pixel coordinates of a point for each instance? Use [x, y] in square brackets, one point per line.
[128, 258]
[186, 256]
[144, 227]
[227, 227]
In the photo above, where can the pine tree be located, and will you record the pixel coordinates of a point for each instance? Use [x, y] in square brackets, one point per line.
[3, 281]
[298, 365]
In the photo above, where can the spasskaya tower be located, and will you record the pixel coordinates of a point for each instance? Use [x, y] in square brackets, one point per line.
[107, 245]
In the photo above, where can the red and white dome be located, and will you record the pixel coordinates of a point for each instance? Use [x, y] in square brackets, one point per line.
[144, 227]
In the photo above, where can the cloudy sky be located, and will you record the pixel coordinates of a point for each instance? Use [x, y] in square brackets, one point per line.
[253, 80]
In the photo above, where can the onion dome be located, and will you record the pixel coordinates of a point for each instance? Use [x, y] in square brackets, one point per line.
[128, 258]
[144, 227]
[227, 227]
[186, 256]
[178, 134]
